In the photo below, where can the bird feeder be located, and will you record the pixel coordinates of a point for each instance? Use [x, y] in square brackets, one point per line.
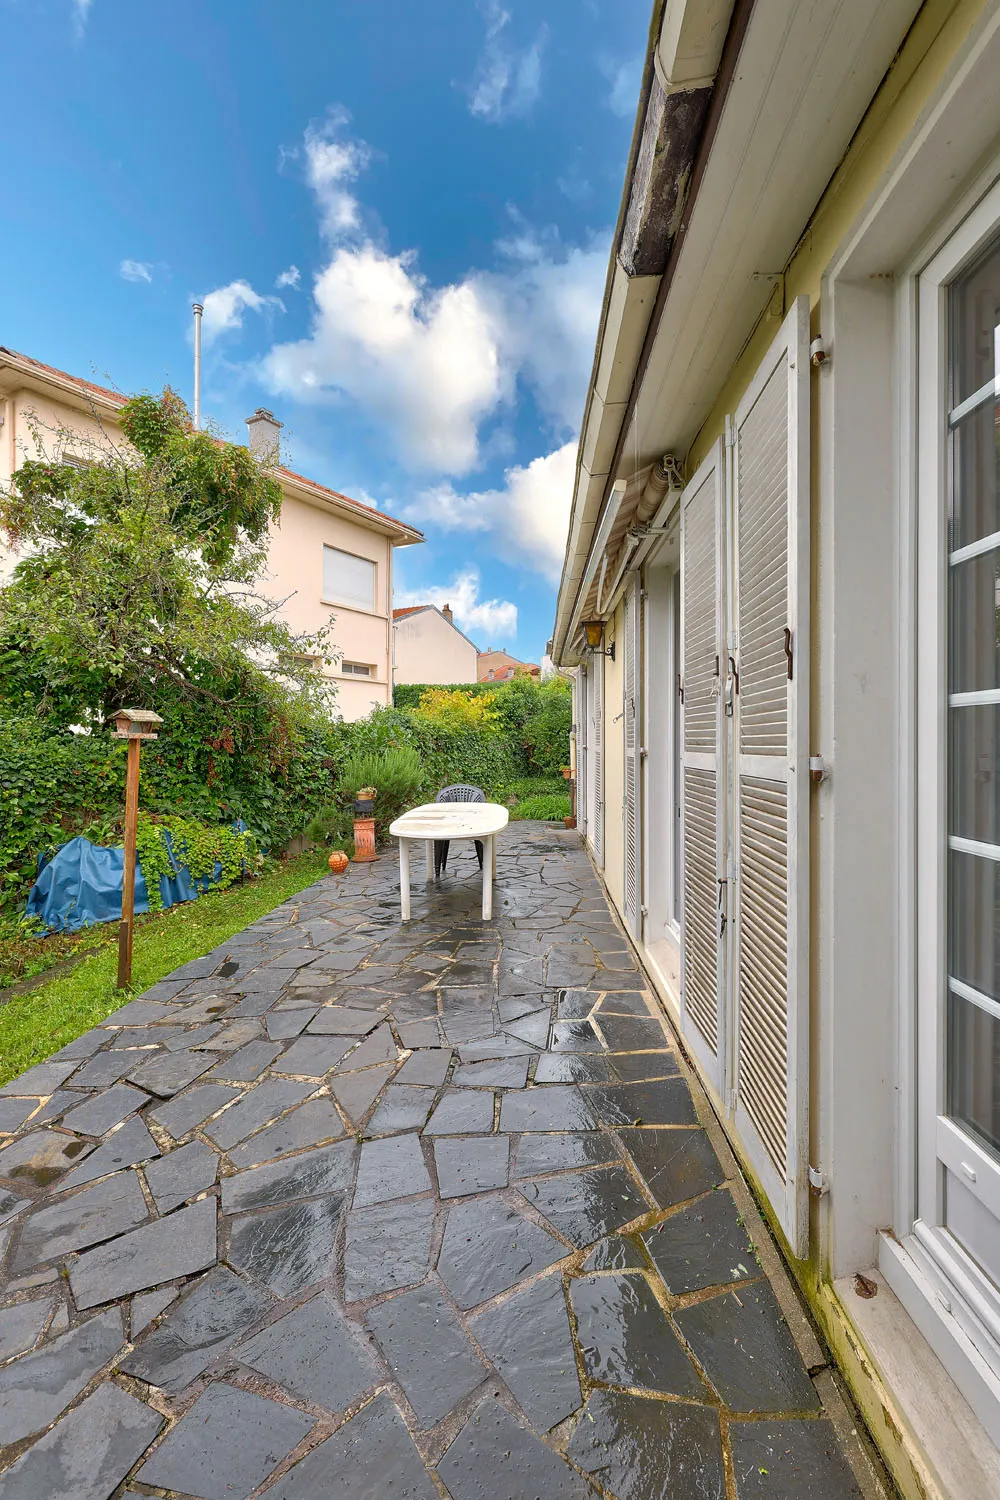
[364, 826]
[133, 725]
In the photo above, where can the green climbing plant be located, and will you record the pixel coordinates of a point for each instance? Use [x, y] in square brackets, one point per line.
[200, 847]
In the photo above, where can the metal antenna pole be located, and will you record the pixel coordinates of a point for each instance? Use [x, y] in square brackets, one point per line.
[197, 309]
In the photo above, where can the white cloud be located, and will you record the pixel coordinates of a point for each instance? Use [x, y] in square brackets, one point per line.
[224, 307]
[81, 11]
[136, 270]
[494, 617]
[526, 520]
[333, 161]
[508, 79]
[291, 277]
[625, 79]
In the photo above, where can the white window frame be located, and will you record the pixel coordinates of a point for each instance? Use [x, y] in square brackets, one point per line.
[364, 670]
[327, 598]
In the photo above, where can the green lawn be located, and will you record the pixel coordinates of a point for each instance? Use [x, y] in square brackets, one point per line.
[35, 1025]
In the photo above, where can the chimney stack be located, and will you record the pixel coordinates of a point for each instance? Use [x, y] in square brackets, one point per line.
[446, 611]
[265, 429]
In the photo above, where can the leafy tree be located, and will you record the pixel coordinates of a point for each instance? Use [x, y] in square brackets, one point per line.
[451, 708]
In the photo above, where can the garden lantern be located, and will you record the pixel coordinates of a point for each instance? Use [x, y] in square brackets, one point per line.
[133, 725]
[364, 826]
[593, 631]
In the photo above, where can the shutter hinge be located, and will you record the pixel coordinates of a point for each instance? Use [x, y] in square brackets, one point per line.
[643, 752]
[788, 651]
[644, 911]
[730, 433]
[819, 1183]
[680, 687]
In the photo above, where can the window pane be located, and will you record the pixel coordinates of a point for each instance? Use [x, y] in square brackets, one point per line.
[975, 312]
[348, 579]
[974, 771]
[975, 623]
[973, 934]
[975, 490]
[974, 1069]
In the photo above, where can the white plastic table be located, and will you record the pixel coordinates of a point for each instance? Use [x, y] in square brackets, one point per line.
[449, 820]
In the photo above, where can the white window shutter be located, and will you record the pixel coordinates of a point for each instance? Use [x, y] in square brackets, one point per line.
[703, 763]
[771, 784]
[597, 758]
[582, 753]
[630, 674]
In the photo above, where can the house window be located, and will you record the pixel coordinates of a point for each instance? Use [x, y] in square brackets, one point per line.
[348, 579]
[356, 668]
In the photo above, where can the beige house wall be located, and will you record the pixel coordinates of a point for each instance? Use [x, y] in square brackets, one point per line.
[428, 649]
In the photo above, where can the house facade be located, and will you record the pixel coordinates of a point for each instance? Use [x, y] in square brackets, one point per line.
[328, 555]
[500, 666]
[429, 647]
[780, 599]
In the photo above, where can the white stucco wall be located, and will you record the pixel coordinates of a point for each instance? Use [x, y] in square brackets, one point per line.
[428, 649]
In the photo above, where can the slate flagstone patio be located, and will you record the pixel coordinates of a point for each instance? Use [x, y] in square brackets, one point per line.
[357, 1210]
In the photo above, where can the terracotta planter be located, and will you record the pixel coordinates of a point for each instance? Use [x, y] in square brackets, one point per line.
[338, 861]
[364, 841]
[567, 772]
[569, 822]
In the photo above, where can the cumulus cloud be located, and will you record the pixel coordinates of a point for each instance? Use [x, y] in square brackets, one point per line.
[291, 277]
[333, 161]
[494, 617]
[526, 519]
[135, 270]
[508, 78]
[625, 79]
[225, 306]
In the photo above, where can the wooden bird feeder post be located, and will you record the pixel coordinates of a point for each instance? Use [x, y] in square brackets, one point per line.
[134, 725]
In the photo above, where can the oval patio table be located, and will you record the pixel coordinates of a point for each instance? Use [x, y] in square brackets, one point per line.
[449, 820]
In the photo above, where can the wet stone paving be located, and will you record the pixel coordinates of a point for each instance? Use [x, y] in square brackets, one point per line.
[357, 1209]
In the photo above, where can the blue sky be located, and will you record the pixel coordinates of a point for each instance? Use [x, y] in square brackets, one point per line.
[398, 216]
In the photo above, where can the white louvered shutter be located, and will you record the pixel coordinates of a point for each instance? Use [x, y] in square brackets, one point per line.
[582, 753]
[703, 763]
[630, 672]
[597, 758]
[771, 790]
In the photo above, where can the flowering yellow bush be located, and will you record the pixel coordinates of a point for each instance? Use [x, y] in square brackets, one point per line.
[451, 708]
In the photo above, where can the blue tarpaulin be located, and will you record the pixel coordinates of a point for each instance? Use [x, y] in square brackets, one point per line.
[82, 884]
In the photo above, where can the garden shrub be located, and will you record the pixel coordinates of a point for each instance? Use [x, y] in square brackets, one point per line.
[547, 807]
[199, 847]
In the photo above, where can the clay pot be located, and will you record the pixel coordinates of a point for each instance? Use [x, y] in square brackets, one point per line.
[338, 861]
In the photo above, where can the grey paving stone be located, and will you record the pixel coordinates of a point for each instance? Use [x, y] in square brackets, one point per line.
[313, 1352]
[357, 1092]
[428, 1066]
[170, 1072]
[230, 1036]
[108, 1108]
[390, 1168]
[181, 1174]
[793, 1460]
[257, 1107]
[37, 1387]
[257, 1003]
[197, 1036]
[11, 1205]
[148, 1305]
[538, 1153]
[614, 1254]
[94, 1214]
[288, 1249]
[553, 1107]
[293, 958]
[313, 1056]
[494, 1458]
[43, 1079]
[387, 1247]
[500, 1045]
[226, 1445]
[674, 1164]
[109, 1067]
[377, 1048]
[630, 1033]
[462, 1112]
[471, 1164]
[144, 1011]
[192, 1109]
[208, 1318]
[488, 1248]
[127, 1146]
[744, 1346]
[196, 968]
[626, 1338]
[372, 1457]
[574, 1067]
[21, 1324]
[88, 1453]
[585, 1206]
[500, 1073]
[427, 1350]
[402, 1107]
[344, 1020]
[284, 1024]
[311, 1124]
[703, 1245]
[247, 1063]
[527, 1337]
[635, 1067]
[419, 1033]
[311, 1174]
[574, 1005]
[575, 1036]
[179, 1245]
[651, 1450]
[82, 1046]
[14, 1112]
[665, 1102]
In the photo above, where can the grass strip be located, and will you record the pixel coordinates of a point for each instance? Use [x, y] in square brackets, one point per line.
[35, 1025]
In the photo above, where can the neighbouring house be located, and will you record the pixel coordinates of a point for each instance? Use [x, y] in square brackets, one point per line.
[500, 666]
[429, 647]
[780, 600]
[327, 554]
